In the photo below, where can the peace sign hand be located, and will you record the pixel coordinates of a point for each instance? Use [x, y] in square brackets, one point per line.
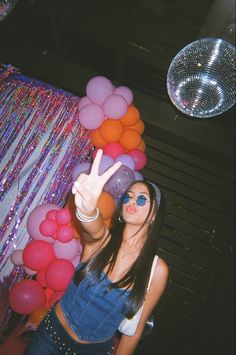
[88, 187]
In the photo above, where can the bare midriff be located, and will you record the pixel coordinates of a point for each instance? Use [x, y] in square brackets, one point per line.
[62, 319]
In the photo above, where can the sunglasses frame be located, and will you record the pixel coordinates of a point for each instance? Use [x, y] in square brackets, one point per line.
[141, 197]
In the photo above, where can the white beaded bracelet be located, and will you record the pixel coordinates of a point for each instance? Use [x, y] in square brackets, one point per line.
[86, 219]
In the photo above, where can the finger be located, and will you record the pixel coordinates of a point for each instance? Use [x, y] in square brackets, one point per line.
[109, 172]
[96, 162]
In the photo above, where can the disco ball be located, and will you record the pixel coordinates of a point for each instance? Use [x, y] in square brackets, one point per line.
[5, 7]
[201, 78]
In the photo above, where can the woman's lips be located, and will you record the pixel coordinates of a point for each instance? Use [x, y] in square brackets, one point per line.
[131, 209]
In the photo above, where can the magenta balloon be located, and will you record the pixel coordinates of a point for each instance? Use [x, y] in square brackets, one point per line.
[138, 176]
[126, 93]
[80, 168]
[98, 89]
[16, 257]
[58, 274]
[119, 182]
[26, 296]
[83, 102]
[35, 218]
[38, 254]
[51, 215]
[48, 227]
[115, 106]
[64, 234]
[126, 160]
[139, 158]
[91, 116]
[63, 216]
[105, 163]
[113, 149]
[66, 250]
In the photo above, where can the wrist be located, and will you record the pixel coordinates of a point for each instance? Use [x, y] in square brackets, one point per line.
[86, 218]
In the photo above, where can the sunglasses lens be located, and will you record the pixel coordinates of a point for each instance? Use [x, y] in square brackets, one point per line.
[125, 198]
[141, 200]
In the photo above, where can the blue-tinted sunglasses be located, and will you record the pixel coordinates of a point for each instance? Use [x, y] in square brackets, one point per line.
[141, 200]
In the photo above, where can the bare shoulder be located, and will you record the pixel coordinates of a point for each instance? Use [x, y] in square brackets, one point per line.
[161, 272]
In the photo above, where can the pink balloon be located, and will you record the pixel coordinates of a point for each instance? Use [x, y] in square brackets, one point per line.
[63, 216]
[35, 218]
[48, 227]
[91, 116]
[51, 215]
[98, 89]
[139, 158]
[38, 254]
[115, 106]
[113, 149]
[80, 168]
[126, 160]
[126, 93]
[16, 257]
[83, 102]
[66, 250]
[64, 234]
[55, 297]
[26, 296]
[58, 274]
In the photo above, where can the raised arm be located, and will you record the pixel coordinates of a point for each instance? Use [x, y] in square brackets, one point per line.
[87, 190]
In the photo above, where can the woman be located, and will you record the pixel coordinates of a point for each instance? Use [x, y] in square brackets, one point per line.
[112, 279]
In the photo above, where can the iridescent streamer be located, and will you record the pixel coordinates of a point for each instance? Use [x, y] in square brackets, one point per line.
[42, 140]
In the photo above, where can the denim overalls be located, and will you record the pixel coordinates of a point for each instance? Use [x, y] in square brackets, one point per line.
[92, 311]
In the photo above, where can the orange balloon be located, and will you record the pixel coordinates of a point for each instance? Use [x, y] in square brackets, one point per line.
[139, 126]
[97, 139]
[111, 130]
[106, 205]
[37, 316]
[131, 117]
[107, 222]
[142, 145]
[130, 139]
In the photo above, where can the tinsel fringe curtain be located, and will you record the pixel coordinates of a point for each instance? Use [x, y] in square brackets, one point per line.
[40, 142]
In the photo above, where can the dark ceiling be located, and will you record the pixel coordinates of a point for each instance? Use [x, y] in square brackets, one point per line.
[130, 41]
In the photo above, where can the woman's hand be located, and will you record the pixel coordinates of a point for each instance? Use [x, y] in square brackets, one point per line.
[88, 187]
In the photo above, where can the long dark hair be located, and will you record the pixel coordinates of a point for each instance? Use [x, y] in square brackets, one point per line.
[136, 279]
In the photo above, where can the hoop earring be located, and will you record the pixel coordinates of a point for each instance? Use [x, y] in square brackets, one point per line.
[120, 219]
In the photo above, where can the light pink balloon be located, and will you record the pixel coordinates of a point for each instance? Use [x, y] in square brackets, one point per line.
[36, 216]
[29, 271]
[16, 257]
[75, 261]
[126, 93]
[98, 89]
[91, 116]
[83, 102]
[66, 250]
[115, 106]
